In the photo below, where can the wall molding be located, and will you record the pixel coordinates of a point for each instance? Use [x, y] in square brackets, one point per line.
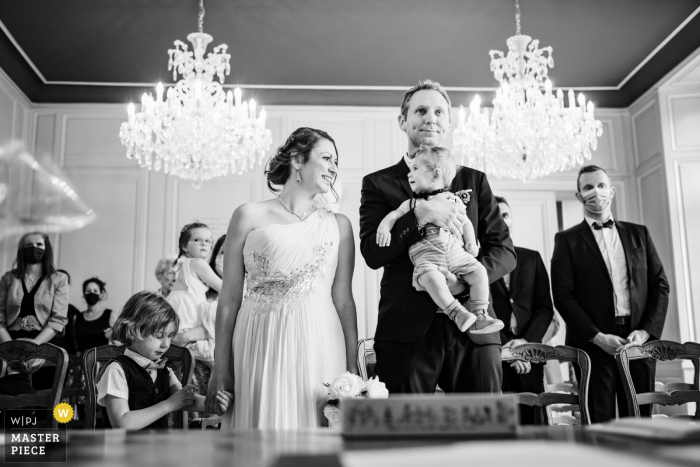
[674, 143]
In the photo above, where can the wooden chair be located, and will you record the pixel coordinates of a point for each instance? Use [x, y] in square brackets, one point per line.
[23, 351]
[73, 390]
[540, 353]
[95, 357]
[674, 393]
[366, 358]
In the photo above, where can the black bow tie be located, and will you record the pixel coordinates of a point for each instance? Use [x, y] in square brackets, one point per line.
[426, 195]
[605, 225]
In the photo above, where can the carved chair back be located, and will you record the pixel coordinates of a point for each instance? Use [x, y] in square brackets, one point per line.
[23, 351]
[540, 353]
[674, 393]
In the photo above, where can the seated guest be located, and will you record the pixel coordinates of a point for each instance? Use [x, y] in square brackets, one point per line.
[92, 326]
[609, 285]
[521, 299]
[136, 390]
[34, 299]
[67, 339]
[166, 275]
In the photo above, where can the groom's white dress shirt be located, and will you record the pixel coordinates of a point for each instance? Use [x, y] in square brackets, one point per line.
[608, 240]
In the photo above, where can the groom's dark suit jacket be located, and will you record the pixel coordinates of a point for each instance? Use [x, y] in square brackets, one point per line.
[528, 298]
[583, 292]
[404, 313]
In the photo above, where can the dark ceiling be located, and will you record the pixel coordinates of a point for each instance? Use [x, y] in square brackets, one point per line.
[78, 46]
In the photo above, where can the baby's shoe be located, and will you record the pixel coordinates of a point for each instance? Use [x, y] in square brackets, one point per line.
[485, 324]
[462, 318]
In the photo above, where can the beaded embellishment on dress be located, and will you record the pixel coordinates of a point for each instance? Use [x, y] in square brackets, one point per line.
[266, 287]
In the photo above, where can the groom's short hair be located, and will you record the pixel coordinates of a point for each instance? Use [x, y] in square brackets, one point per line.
[426, 84]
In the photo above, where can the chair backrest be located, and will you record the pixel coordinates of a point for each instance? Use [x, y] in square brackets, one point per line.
[22, 351]
[540, 353]
[74, 388]
[95, 357]
[366, 358]
[675, 393]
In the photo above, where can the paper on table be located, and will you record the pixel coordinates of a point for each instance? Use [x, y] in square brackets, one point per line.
[497, 454]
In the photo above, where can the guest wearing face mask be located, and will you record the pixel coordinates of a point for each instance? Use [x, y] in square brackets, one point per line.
[609, 285]
[34, 299]
[92, 326]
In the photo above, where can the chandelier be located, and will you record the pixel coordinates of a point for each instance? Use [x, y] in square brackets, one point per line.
[530, 133]
[198, 131]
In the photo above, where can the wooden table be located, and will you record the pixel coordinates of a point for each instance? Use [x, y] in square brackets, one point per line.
[309, 448]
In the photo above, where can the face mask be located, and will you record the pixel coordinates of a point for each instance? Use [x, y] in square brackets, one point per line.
[33, 255]
[91, 298]
[220, 264]
[597, 200]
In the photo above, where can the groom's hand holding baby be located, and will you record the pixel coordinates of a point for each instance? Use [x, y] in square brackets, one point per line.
[442, 212]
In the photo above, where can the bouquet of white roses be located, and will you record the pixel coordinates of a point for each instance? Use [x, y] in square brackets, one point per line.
[347, 386]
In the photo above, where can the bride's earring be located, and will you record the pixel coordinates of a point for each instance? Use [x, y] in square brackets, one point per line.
[298, 177]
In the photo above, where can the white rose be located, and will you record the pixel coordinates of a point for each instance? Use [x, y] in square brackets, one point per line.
[346, 385]
[332, 413]
[376, 389]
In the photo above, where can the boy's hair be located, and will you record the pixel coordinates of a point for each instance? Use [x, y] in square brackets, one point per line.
[588, 169]
[438, 158]
[426, 84]
[143, 315]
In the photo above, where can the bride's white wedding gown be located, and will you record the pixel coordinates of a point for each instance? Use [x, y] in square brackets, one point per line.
[287, 339]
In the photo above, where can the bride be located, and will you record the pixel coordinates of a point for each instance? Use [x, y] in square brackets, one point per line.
[296, 326]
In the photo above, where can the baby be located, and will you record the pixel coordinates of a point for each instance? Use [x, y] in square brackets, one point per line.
[431, 173]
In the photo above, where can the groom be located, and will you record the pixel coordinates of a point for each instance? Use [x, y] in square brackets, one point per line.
[418, 348]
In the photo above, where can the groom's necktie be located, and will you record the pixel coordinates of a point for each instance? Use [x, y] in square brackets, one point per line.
[605, 225]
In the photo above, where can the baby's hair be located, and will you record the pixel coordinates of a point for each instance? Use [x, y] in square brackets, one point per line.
[144, 314]
[185, 235]
[438, 158]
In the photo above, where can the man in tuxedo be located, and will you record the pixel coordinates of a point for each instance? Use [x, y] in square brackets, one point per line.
[610, 287]
[522, 301]
[417, 347]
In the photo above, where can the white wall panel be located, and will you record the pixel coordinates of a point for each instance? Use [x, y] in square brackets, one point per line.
[655, 218]
[93, 141]
[113, 247]
[646, 131]
[685, 122]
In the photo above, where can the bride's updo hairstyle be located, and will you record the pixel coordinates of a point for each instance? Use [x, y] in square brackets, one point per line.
[298, 146]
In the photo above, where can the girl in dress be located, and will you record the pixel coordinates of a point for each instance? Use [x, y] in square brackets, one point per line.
[136, 390]
[206, 310]
[296, 326]
[194, 278]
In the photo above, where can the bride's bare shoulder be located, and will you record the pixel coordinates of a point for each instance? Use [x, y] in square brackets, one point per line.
[250, 215]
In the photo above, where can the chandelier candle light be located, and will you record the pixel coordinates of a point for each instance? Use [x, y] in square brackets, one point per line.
[530, 132]
[198, 131]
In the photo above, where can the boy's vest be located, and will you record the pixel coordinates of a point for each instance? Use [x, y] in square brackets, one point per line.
[143, 392]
